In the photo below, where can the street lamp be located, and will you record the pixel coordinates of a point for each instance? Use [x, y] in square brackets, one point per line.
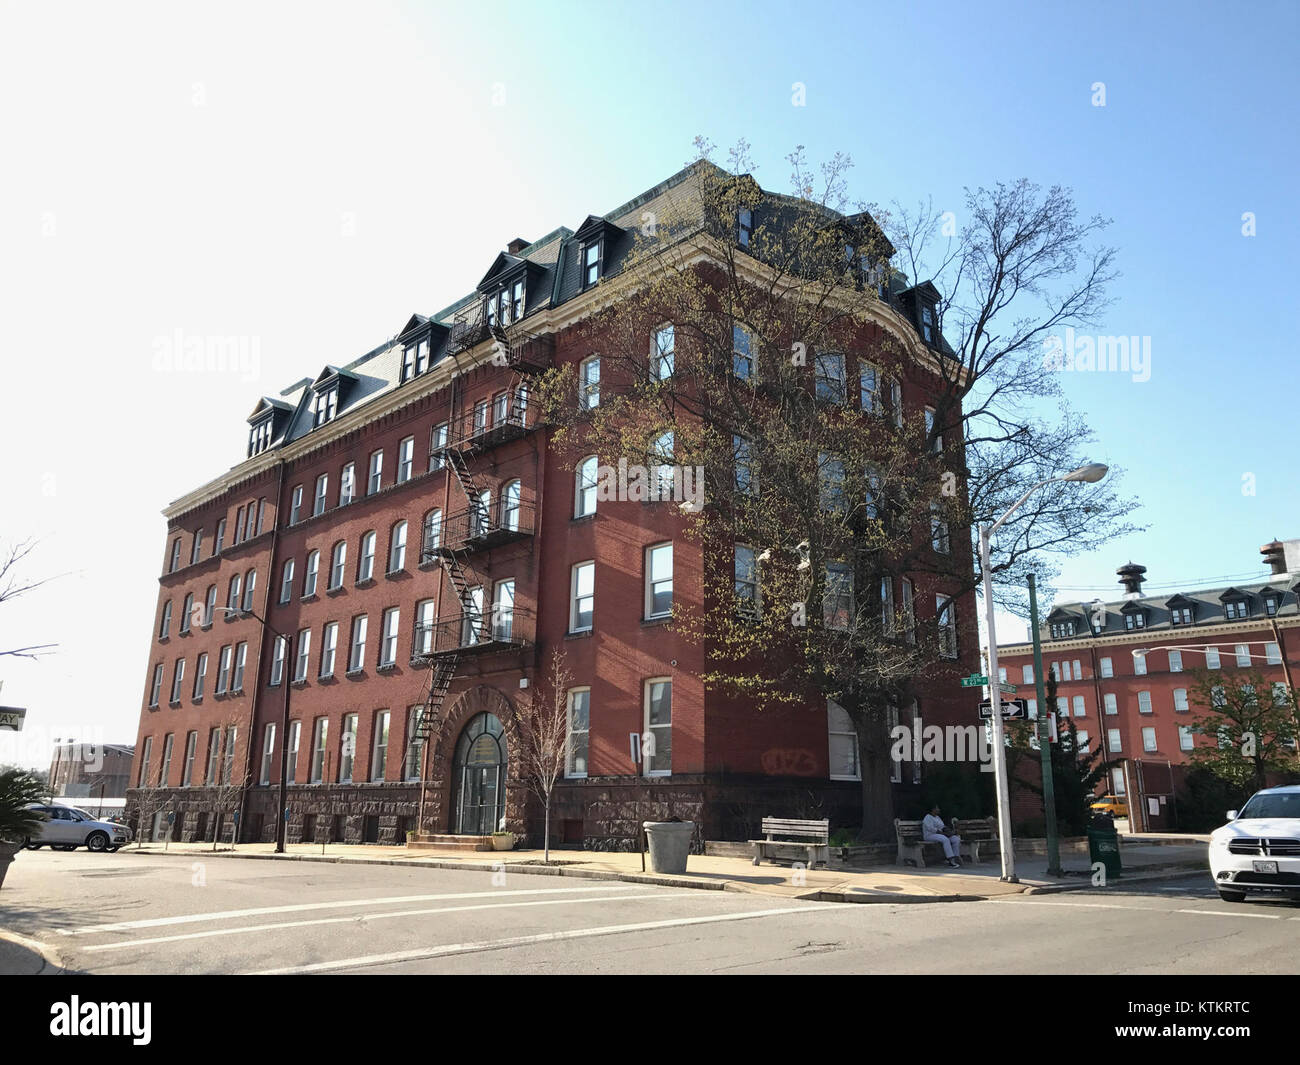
[280, 826]
[1089, 474]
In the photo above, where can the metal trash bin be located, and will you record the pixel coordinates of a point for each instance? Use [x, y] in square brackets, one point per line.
[669, 843]
[1103, 846]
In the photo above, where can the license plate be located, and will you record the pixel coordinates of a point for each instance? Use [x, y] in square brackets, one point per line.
[1264, 867]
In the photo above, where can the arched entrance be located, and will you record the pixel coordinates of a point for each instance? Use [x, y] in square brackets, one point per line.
[479, 777]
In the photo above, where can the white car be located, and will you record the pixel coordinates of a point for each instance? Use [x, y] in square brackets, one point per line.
[66, 828]
[1258, 850]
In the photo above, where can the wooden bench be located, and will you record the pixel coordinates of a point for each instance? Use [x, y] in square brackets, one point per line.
[813, 842]
[976, 832]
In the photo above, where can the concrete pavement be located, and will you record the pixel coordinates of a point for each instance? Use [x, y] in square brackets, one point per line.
[1141, 860]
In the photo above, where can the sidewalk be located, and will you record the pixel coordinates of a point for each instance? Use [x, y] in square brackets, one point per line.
[20, 956]
[890, 884]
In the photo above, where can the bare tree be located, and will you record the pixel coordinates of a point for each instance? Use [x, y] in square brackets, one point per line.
[12, 586]
[227, 787]
[543, 738]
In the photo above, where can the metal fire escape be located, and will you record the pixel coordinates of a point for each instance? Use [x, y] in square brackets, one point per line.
[469, 434]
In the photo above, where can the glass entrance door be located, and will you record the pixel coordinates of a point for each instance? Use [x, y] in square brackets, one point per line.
[479, 775]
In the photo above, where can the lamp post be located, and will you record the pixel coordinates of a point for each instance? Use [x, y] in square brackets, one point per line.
[280, 826]
[1090, 473]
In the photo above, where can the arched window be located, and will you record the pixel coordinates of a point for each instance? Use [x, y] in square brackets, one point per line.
[397, 548]
[480, 513]
[250, 582]
[366, 564]
[510, 499]
[432, 534]
[232, 596]
[313, 571]
[338, 560]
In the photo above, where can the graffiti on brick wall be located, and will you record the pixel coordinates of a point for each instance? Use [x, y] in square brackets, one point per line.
[789, 761]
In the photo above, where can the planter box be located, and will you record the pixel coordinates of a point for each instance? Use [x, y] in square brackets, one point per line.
[504, 842]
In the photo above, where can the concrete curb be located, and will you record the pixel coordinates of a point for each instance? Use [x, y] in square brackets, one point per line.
[1168, 873]
[52, 962]
[474, 866]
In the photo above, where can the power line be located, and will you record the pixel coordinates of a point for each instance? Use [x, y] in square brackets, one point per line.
[1195, 582]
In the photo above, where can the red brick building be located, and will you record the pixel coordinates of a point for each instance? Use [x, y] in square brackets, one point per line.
[403, 522]
[1139, 708]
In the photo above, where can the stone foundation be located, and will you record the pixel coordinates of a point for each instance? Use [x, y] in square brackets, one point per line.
[598, 813]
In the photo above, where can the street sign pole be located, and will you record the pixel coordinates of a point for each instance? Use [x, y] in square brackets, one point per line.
[1005, 843]
[1045, 715]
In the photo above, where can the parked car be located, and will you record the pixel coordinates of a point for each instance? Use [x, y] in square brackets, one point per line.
[1111, 804]
[66, 828]
[1258, 850]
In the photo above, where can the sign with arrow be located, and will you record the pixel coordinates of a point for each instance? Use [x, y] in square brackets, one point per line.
[1011, 708]
[11, 717]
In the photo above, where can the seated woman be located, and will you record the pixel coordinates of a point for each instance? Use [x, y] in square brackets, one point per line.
[933, 830]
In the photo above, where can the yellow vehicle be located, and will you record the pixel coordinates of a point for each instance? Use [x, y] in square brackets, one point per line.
[1111, 804]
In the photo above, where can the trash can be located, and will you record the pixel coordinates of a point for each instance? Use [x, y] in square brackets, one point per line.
[670, 843]
[1103, 846]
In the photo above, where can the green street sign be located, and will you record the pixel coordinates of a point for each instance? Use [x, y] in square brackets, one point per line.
[1007, 689]
[975, 680]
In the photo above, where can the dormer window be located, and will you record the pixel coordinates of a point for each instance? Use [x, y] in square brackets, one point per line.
[592, 255]
[1181, 615]
[415, 359]
[1062, 629]
[1270, 605]
[325, 406]
[927, 322]
[1235, 609]
[744, 226]
[1135, 619]
[259, 437]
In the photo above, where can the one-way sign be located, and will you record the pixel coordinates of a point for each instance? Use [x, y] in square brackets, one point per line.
[11, 717]
[1011, 708]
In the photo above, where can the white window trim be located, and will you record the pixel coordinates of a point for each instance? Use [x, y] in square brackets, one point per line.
[569, 773]
[645, 723]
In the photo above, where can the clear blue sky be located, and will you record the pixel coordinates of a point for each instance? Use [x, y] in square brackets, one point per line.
[307, 175]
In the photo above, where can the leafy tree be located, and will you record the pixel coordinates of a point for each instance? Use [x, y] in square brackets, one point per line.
[1075, 772]
[17, 789]
[1205, 799]
[779, 381]
[1251, 722]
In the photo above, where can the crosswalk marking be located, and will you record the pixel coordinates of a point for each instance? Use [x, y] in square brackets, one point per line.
[338, 904]
[358, 918]
[422, 953]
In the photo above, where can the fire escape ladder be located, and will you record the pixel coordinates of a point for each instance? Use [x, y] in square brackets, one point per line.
[444, 671]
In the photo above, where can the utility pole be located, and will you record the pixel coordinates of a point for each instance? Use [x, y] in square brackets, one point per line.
[1044, 738]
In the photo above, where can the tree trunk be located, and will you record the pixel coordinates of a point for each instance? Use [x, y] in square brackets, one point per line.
[877, 791]
[546, 838]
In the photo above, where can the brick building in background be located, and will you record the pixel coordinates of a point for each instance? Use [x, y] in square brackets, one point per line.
[1139, 708]
[96, 771]
[403, 520]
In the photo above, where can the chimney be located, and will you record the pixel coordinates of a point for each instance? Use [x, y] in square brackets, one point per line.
[1275, 557]
[517, 245]
[1130, 576]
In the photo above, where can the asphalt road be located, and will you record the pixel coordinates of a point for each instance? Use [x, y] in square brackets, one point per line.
[122, 913]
